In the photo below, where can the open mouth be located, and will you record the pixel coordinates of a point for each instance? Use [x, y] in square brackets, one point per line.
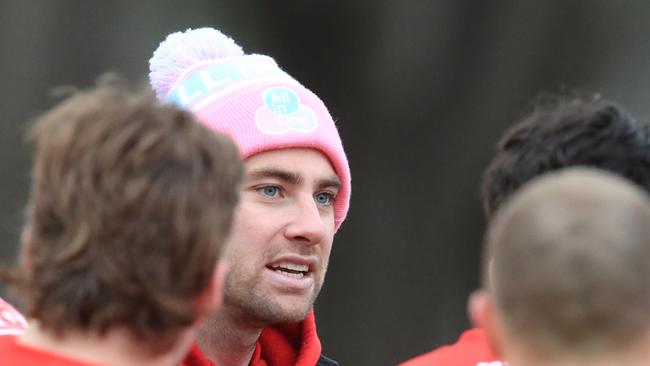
[292, 270]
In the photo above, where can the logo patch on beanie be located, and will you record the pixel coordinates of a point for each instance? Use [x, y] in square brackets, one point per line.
[282, 113]
[220, 78]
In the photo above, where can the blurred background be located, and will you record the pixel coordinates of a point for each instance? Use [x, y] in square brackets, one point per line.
[421, 91]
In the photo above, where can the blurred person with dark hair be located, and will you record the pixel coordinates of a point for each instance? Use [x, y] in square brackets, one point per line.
[563, 133]
[295, 196]
[565, 273]
[130, 206]
[560, 132]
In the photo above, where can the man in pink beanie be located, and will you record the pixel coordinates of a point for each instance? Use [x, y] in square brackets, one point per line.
[295, 196]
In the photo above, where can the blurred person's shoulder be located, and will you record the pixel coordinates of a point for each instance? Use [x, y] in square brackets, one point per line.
[12, 353]
[471, 349]
[11, 321]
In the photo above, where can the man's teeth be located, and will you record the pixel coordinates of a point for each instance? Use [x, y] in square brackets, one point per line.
[293, 266]
[291, 274]
[291, 269]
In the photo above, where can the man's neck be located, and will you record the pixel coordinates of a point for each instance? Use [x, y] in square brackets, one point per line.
[609, 361]
[116, 348]
[228, 339]
[636, 354]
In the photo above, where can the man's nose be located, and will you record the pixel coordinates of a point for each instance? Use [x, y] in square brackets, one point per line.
[307, 224]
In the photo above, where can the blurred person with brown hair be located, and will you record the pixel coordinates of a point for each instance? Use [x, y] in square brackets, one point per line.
[295, 196]
[130, 206]
[565, 273]
[559, 132]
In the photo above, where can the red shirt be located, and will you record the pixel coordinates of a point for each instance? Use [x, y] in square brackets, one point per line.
[11, 321]
[14, 354]
[471, 349]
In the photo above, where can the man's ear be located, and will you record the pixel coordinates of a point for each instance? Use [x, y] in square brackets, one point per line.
[211, 298]
[482, 314]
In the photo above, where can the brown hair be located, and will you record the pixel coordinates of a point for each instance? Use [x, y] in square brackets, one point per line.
[569, 270]
[130, 204]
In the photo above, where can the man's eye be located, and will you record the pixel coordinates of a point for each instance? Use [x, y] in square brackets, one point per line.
[324, 198]
[269, 191]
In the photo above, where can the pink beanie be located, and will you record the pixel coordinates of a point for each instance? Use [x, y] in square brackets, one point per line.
[247, 97]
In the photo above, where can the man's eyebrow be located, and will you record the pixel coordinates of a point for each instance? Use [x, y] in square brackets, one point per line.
[276, 173]
[290, 177]
[333, 182]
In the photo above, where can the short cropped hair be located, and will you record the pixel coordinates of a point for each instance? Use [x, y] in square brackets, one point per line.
[564, 131]
[130, 204]
[569, 271]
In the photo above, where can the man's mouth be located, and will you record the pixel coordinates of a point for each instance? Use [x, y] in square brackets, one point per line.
[288, 269]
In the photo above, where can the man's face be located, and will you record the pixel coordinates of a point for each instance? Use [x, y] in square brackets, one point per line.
[282, 236]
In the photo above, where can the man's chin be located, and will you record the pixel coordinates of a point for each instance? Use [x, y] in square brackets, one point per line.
[279, 314]
[271, 308]
[286, 315]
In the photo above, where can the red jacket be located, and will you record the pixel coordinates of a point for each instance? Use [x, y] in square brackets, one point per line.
[471, 349]
[285, 345]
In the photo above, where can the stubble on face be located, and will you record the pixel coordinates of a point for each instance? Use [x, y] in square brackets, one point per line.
[245, 295]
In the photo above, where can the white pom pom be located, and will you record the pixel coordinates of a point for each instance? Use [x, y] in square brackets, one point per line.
[181, 50]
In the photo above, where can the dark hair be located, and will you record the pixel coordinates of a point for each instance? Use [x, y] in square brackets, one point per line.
[561, 132]
[130, 205]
